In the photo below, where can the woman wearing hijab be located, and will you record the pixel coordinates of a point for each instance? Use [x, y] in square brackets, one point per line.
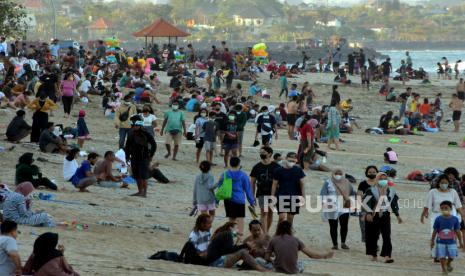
[379, 200]
[17, 207]
[336, 196]
[27, 172]
[46, 259]
[40, 106]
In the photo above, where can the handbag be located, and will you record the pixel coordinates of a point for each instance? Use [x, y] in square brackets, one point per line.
[347, 203]
[225, 190]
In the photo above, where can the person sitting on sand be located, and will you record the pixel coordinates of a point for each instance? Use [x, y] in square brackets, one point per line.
[70, 165]
[47, 258]
[384, 121]
[258, 239]
[50, 143]
[103, 172]
[27, 172]
[390, 156]
[222, 252]
[17, 207]
[201, 235]
[18, 129]
[286, 247]
[84, 177]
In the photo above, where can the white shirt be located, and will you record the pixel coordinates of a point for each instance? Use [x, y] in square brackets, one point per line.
[4, 48]
[85, 86]
[149, 120]
[435, 197]
[7, 245]
[69, 168]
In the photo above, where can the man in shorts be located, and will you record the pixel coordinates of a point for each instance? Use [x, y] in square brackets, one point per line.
[103, 172]
[292, 108]
[174, 127]
[456, 105]
[209, 138]
[83, 177]
[230, 139]
[261, 178]
[241, 122]
[266, 126]
[460, 88]
[289, 188]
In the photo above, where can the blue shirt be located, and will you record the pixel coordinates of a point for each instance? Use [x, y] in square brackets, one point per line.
[293, 93]
[138, 91]
[81, 172]
[190, 105]
[446, 227]
[288, 181]
[54, 48]
[241, 187]
[253, 90]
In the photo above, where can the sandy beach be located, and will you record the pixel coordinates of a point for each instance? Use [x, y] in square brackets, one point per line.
[124, 249]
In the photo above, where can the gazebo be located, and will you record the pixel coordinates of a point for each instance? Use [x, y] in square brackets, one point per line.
[161, 28]
[98, 29]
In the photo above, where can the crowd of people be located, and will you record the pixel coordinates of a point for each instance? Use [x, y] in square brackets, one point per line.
[41, 79]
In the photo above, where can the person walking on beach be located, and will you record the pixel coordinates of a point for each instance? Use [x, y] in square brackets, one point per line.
[283, 85]
[460, 89]
[241, 188]
[292, 108]
[336, 58]
[333, 191]
[174, 127]
[140, 149]
[456, 105]
[333, 124]
[387, 68]
[378, 218]
[261, 177]
[408, 60]
[122, 116]
[204, 198]
[370, 173]
[288, 188]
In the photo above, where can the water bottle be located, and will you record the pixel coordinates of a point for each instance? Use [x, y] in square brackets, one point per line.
[324, 160]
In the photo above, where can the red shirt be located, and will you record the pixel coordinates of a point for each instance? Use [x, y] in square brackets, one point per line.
[282, 68]
[306, 129]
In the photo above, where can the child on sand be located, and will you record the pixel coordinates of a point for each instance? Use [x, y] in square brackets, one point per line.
[204, 198]
[446, 230]
[390, 156]
[83, 131]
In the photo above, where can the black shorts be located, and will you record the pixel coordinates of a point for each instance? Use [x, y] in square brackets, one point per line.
[287, 206]
[461, 95]
[140, 169]
[291, 118]
[266, 139]
[233, 209]
[199, 143]
[456, 115]
[365, 81]
[336, 64]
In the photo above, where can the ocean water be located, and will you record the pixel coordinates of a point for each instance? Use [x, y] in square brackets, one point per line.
[427, 59]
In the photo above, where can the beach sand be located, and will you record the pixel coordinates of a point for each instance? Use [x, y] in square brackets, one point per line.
[123, 250]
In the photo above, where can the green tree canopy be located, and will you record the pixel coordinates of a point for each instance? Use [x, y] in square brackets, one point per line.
[12, 18]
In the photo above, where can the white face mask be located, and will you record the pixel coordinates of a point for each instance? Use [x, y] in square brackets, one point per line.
[175, 107]
[338, 177]
[444, 186]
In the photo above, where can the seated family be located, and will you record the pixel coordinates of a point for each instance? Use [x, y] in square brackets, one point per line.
[258, 251]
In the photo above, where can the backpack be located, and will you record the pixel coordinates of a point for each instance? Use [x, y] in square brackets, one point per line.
[225, 190]
[123, 117]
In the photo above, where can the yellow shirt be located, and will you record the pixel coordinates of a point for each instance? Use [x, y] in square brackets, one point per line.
[48, 105]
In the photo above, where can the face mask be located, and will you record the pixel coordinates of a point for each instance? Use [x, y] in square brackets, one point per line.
[371, 176]
[280, 162]
[266, 113]
[263, 156]
[239, 112]
[231, 118]
[203, 115]
[175, 107]
[338, 177]
[383, 183]
[290, 164]
[445, 212]
[444, 186]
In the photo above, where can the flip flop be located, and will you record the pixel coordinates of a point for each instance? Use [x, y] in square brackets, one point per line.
[390, 261]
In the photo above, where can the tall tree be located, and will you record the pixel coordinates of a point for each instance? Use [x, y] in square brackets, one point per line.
[12, 18]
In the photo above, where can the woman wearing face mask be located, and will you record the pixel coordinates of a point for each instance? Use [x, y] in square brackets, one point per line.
[199, 132]
[435, 196]
[379, 200]
[230, 139]
[370, 173]
[288, 188]
[338, 191]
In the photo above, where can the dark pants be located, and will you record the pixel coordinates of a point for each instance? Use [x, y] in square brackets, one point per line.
[344, 222]
[45, 182]
[123, 132]
[380, 225]
[67, 103]
[284, 90]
